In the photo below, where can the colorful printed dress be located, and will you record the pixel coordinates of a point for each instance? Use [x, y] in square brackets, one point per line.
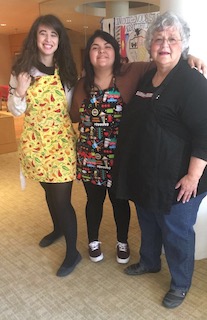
[48, 141]
[100, 118]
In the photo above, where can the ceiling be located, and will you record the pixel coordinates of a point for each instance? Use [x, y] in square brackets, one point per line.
[78, 15]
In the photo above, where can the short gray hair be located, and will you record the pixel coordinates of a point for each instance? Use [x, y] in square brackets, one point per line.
[169, 19]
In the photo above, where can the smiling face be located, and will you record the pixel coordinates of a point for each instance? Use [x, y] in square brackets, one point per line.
[47, 42]
[102, 54]
[166, 47]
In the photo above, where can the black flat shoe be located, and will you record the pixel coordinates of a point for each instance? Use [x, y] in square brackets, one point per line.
[65, 270]
[173, 298]
[138, 269]
[49, 239]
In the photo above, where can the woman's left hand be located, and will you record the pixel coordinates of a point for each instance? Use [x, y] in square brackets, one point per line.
[189, 183]
[188, 188]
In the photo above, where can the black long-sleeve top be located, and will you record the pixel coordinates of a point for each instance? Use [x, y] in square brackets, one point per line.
[160, 130]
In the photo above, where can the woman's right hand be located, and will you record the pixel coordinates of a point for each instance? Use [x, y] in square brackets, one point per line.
[188, 187]
[23, 83]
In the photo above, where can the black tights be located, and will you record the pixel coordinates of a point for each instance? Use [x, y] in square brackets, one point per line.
[58, 197]
[94, 212]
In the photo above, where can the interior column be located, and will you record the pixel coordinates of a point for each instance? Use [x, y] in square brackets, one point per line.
[117, 9]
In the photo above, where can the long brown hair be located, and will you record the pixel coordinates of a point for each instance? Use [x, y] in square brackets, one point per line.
[63, 57]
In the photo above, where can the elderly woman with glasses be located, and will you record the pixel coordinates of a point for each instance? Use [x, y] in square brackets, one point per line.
[161, 156]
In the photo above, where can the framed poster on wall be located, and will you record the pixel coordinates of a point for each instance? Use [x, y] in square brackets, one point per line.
[130, 33]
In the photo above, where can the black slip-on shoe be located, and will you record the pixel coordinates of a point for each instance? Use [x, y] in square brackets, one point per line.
[65, 270]
[49, 239]
[138, 269]
[173, 298]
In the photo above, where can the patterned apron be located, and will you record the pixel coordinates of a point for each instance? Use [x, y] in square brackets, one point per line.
[100, 118]
[48, 142]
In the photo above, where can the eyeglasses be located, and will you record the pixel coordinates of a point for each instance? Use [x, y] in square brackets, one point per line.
[170, 41]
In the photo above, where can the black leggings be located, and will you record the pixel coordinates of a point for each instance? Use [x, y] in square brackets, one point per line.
[94, 212]
[58, 197]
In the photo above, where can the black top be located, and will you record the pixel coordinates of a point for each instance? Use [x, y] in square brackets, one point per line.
[44, 69]
[160, 130]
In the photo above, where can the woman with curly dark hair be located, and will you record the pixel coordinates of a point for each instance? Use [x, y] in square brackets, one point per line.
[41, 87]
